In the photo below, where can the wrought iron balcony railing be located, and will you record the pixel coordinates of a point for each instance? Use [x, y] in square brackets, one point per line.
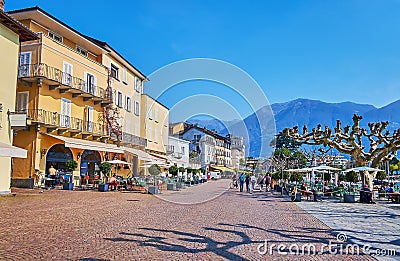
[65, 81]
[56, 120]
[128, 138]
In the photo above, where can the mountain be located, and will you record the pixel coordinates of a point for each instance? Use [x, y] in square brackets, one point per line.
[258, 129]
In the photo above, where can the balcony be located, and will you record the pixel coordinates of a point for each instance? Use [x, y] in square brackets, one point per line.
[169, 149]
[64, 82]
[130, 139]
[63, 123]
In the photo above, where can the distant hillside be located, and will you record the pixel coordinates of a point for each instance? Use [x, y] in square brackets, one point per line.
[301, 112]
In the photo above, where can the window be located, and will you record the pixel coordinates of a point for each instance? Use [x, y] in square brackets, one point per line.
[114, 71]
[149, 134]
[183, 150]
[65, 114]
[119, 99]
[128, 104]
[90, 119]
[138, 85]
[55, 36]
[22, 101]
[136, 108]
[24, 61]
[156, 135]
[67, 74]
[156, 114]
[90, 83]
[149, 112]
[124, 72]
[82, 51]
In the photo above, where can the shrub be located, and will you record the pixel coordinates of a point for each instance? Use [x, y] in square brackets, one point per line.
[105, 167]
[154, 169]
[351, 176]
[173, 170]
[296, 176]
[71, 165]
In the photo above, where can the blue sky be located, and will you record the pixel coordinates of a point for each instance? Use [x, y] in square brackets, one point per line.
[333, 50]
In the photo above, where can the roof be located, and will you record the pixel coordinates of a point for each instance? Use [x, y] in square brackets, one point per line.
[99, 43]
[110, 49]
[212, 133]
[24, 33]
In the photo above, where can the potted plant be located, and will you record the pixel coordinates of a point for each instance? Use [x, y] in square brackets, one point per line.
[173, 170]
[105, 168]
[349, 195]
[179, 184]
[70, 166]
[154, 170]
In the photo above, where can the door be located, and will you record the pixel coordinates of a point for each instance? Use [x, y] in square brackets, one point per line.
[65, 115]
[90, 86]
[24, 64]
[67, 74]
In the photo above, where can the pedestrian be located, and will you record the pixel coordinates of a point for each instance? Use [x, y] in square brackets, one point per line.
[267, 182]
[253, 181]
[241, 181]
[260, 181]
[247, 180]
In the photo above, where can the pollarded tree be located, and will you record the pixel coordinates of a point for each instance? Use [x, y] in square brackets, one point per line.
[350, 139]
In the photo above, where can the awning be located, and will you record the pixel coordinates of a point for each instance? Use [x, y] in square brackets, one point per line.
[87, 144]
[223, 169]
[6, 150]
[141, 154]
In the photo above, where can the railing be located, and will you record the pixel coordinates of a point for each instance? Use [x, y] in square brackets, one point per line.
[169, 149]
[60, 77]
[59, 120]
[133, 139]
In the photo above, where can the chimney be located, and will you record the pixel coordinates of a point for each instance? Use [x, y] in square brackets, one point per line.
[2, 2]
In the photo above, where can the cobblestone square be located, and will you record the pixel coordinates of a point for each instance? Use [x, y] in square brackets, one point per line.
[91, 225]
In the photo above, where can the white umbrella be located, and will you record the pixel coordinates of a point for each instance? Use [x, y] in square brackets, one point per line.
[118, 162]
[324, 167]
[358, 169]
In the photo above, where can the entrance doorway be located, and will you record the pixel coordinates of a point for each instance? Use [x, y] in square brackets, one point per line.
[90, 161]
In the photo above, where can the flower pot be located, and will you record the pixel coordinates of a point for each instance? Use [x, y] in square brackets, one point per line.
[68, 186]
[171, 186]
[349, 198]
[152, 190]
[103, 187]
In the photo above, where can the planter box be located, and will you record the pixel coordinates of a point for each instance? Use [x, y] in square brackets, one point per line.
[171, 186]
[349, 198]
[179, 185]
[103, 187]
[152, 190]
[68, 186]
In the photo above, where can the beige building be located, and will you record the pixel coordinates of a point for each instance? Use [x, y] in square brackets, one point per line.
[11, 34]
[237, 152]
[82, 97]
[155, 127]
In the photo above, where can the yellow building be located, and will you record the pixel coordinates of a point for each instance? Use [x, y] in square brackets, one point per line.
[155, 127]
[11, 34]
[77, 91]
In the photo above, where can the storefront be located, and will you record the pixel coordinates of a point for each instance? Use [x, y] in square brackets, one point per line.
[57, 156]
[90, 161]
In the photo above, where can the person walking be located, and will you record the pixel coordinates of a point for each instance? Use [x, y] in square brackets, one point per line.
[241, 181]
[268, 181]
[247, 180]
[253, 181]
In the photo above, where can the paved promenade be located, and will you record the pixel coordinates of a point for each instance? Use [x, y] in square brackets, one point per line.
[89, 225]
[373, 225]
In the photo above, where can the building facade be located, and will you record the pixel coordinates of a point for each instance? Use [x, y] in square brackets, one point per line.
[80, 96]
[178, 152]
[12, 33]
[238, 152]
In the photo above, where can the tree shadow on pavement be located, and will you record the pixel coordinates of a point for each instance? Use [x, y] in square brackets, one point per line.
[227, 238]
